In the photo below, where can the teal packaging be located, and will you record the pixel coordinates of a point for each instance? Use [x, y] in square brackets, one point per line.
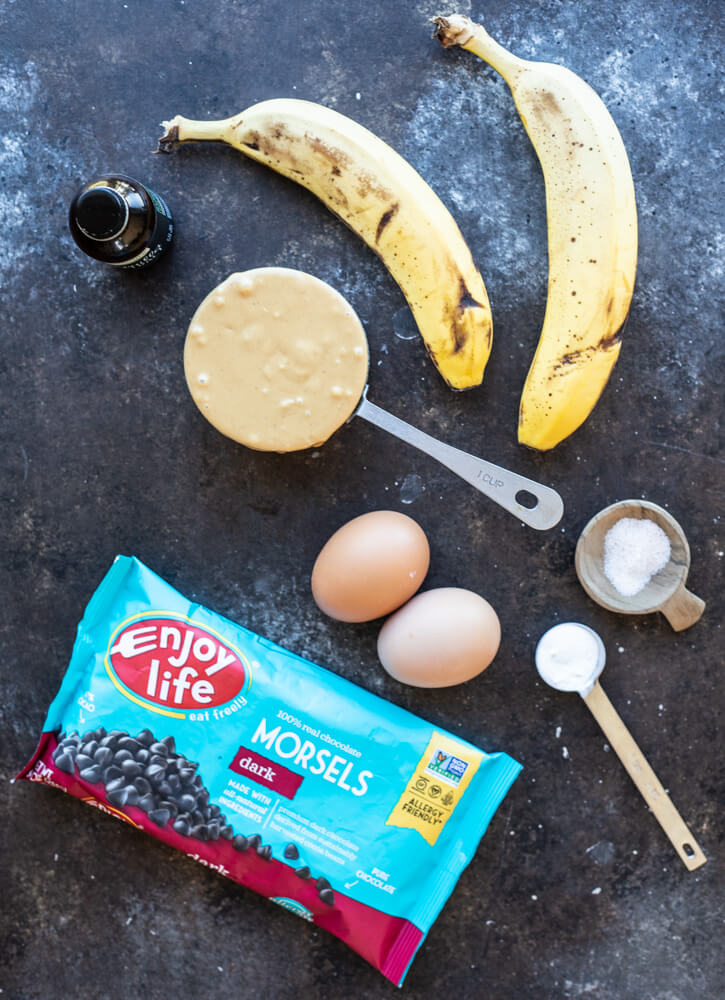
[347, 810]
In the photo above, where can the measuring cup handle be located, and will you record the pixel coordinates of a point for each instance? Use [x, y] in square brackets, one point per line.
[644, 777]
[503, 487]
[683, 609]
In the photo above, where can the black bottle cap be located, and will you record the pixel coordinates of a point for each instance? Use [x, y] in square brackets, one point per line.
[101, 213]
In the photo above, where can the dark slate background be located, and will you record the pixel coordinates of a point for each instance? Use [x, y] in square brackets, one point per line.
[575, 891]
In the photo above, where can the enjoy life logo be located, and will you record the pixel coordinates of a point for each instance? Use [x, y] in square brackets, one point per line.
[175, 666]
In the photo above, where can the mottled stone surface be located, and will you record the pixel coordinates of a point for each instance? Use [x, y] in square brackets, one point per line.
[575, 891]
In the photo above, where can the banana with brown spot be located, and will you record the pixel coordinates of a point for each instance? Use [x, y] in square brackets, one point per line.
[592, 234]
[386, 202]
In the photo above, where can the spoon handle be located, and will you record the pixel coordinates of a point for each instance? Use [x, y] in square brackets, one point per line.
[644, 777]
[505, 488]
[682, 609]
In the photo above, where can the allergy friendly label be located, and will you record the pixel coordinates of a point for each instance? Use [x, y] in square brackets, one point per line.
[436, 786]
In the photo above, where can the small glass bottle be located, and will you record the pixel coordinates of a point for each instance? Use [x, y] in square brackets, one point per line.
[117, 220]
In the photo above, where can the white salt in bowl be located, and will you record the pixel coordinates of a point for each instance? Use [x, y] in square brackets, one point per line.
[665, 592]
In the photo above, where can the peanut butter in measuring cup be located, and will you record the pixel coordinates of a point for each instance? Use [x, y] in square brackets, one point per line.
[276, 359]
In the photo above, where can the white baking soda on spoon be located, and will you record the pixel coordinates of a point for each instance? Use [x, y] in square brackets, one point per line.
[570, 657]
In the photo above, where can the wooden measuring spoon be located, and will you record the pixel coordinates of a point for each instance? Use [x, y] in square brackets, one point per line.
[581, 674]
[665, 592]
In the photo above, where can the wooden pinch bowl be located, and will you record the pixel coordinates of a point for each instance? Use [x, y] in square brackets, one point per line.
[665, 592]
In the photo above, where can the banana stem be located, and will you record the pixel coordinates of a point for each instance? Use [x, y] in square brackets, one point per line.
[181, 129]
[460, 30]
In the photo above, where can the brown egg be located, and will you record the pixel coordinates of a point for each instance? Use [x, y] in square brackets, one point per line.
[370, 566]
[439, 638]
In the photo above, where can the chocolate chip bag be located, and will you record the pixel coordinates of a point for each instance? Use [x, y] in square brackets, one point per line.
[351, 812]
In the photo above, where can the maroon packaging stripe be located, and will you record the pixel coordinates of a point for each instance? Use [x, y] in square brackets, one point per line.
[402, 952]
[388, 943]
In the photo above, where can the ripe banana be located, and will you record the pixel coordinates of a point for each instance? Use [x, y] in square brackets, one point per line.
[386, 202]
[592, 234]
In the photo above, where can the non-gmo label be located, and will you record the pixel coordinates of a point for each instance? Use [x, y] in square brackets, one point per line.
[446, 766]
[175, 666]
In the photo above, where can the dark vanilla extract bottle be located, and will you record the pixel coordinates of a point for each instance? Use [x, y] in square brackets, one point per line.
[119, 221]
